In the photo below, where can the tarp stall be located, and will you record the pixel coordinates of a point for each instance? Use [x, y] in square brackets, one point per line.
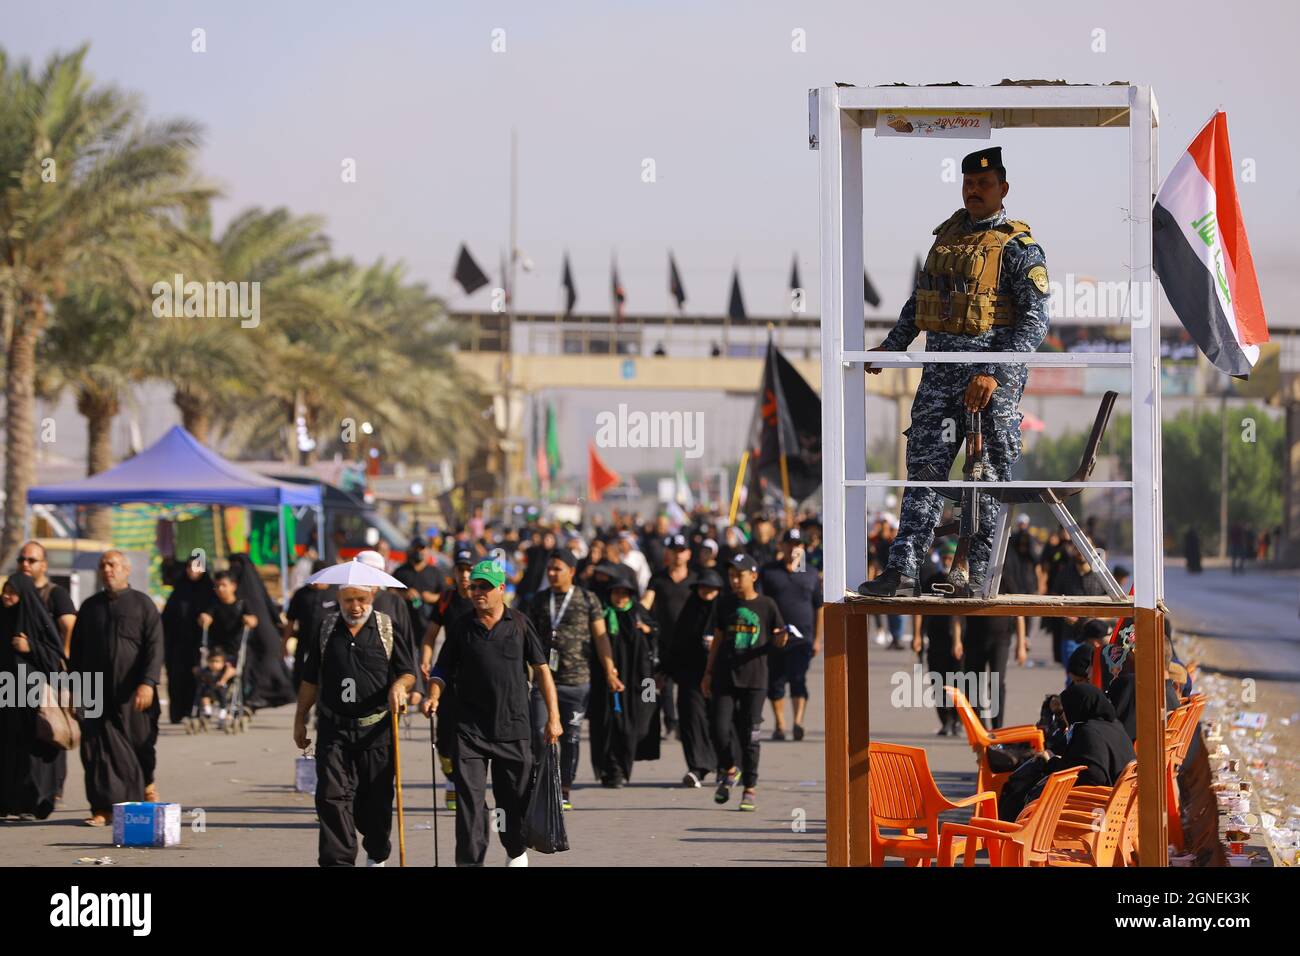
[179, 469]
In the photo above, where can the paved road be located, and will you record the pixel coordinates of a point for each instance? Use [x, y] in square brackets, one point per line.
[252, 816]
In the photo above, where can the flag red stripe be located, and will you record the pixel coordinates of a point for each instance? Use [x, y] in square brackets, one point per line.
[1213, 157]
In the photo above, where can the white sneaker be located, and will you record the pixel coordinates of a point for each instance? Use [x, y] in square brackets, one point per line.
[520, 860]
[370, 862]
[691, 780]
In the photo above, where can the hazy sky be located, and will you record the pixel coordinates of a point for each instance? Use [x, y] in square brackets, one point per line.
[711, 91]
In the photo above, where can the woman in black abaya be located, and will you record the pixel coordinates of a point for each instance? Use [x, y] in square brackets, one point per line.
[267, 678]
[625, 727]
[182, 636]
[28, 769]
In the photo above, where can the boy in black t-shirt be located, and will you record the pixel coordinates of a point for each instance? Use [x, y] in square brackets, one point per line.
[749, 627]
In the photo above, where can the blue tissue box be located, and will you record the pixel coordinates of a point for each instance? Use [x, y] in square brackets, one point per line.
[146, 824]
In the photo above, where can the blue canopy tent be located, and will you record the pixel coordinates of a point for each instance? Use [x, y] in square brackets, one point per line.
[179, 469]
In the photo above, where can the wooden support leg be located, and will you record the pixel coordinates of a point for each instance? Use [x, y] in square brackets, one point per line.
[1153, 835]
[837, 735]
[859, 723]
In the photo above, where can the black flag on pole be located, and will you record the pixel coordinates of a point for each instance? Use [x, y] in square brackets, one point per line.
[869, 294]
[468, 273]
[736, 305]
[675, 287]
[617, 294]
[788, 420]
[570, 291]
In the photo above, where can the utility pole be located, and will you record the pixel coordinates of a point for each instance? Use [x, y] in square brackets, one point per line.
[507, 370]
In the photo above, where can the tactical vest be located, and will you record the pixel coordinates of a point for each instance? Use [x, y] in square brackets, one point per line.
[382, 621]
[957, 291]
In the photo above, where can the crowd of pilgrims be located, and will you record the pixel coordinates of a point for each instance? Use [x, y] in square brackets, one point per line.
[629, 616]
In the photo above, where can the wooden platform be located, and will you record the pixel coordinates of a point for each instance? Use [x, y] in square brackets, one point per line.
[848, 724]
[1006, 605]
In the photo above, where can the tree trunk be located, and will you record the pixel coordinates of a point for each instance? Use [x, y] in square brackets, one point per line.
[194, 413]
[99, 409]
[20, 411]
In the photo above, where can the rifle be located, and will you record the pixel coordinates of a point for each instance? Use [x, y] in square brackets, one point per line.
[973, 470]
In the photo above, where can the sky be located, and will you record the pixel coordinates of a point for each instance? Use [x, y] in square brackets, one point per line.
[713, 93]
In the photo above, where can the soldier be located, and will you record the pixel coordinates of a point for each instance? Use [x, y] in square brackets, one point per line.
[983, 289]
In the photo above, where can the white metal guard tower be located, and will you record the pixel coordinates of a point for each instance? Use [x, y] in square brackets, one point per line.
[837, 118]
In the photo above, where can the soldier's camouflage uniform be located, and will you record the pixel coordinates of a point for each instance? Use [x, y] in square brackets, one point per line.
[938, 410]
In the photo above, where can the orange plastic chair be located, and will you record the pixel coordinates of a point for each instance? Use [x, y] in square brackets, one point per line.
[981, 740]
[1027, 842]
[1098, 832]
[904, 797]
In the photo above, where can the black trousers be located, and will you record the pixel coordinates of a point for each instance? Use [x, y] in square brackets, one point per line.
[667, 707]
[693, 725]
[572, 700]
[983, 651]
[940, 663]
[512, 763]
[736, 717]
[354, 792]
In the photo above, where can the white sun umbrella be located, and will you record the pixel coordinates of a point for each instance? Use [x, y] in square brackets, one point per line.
[355, 572]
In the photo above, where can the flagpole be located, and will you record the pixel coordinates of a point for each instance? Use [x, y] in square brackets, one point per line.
[735, 493]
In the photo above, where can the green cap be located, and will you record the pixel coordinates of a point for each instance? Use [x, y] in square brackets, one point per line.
[488, 571]
[948, 546]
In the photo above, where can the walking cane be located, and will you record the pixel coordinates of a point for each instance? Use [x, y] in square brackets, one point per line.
[433, 752]
[401, 821]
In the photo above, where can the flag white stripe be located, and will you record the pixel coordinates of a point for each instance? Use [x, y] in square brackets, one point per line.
[1188, 196]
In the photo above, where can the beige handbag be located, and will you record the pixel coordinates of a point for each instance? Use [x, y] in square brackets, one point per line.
[56, 722]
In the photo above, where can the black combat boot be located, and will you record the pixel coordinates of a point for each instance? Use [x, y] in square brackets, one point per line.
[888, 584]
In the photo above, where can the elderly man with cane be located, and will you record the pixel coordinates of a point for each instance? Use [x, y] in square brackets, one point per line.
[485, 658]
[357, 675]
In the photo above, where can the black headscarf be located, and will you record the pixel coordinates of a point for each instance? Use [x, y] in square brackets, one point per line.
[270, 683]
[1085, 702]
[30, 617]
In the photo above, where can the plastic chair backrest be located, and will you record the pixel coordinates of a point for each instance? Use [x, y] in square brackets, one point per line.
[1187, 731]
[1040, 830]
[975, 732]
[899, 783]
[1111, 837]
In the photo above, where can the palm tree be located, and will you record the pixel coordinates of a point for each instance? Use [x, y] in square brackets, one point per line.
[89, 193]
[213, 364]
[362, 344]
[88, 348]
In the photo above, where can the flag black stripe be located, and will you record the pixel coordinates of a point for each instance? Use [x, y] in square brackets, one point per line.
[1189, 286]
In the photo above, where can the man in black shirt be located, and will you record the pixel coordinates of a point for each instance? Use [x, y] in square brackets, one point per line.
[454, 602]
[355, 672]
[797, 591]
[664, 597]
[749, 627]
[423, 584]
[943, 652]
[307, 608]
[485, 658]
[32, 562]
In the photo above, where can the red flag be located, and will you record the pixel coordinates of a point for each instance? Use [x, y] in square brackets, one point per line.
[600, 478]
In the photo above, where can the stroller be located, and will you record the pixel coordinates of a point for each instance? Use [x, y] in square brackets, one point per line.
[238, 715]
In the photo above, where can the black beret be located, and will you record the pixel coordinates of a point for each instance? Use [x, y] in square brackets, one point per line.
[563, 554]
[984, 159]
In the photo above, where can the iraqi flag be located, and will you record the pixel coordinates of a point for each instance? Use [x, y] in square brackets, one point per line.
[1202, 254]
